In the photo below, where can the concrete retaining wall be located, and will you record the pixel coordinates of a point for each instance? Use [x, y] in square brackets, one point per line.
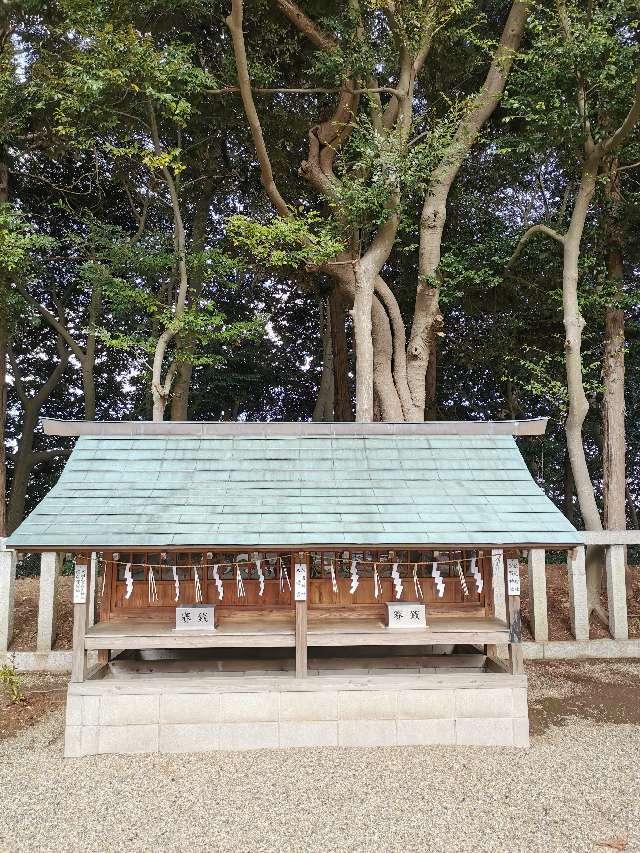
[196, 716]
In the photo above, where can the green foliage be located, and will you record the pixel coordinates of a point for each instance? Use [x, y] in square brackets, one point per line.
[18, 239]
[300, 240]
[11, 683]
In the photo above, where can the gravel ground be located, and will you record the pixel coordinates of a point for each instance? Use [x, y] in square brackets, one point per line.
[576, 789]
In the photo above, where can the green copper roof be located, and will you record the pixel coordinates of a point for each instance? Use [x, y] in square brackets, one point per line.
[287, 490]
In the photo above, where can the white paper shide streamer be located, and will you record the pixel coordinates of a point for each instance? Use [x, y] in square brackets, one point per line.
[260, 577]
[435, 574]
[239, 583]
[463, 581]
[198, 588]
[153, 591]
[218, 582]
[128, 580]
[334, 582]
[397, 580]
[284, 577]
[176, 581]
[377, 588]
[416, 583]
[355, 580]
[477, 576]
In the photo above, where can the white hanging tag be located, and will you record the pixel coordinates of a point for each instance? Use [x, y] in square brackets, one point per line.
[416, 583]
[260, 577]
[397, 580]
[355, 580]
[435, 574]
[463, 581]
[104, 579]
[128, 579]
[239, 583]
[376, 581]
[153, 592]
[218, 582]
[334, 582]
[176, 581]
[198, 588]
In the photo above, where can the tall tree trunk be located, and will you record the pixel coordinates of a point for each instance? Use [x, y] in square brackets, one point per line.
[4, 337]
[22, 466]
[569, 490]
[341, 392]
[362, 333]
[431, 383]
[578, 403]
[324, 407]
[613, 415]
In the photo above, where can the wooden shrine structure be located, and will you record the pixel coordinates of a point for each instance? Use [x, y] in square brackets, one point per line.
[301, 536]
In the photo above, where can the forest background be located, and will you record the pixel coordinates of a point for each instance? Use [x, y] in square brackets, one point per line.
[367, 210]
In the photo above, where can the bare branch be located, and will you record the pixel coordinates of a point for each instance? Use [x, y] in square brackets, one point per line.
[531, 232]
[234, 22]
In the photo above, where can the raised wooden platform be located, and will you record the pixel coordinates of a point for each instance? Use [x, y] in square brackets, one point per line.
[244, 630]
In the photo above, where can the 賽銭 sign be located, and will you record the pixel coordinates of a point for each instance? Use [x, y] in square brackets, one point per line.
[513, 577]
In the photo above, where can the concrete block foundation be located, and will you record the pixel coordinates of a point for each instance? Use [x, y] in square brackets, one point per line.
[269, 712]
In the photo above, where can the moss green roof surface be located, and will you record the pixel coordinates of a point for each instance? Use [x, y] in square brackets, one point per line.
[140, 491]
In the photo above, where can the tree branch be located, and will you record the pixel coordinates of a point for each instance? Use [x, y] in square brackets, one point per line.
[631, 119]
[234, 22]
[306, 26]
[535, 229]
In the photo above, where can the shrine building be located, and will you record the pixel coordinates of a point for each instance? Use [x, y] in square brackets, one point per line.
[272, 585]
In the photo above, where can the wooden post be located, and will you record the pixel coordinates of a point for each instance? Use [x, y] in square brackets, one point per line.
[538, 595]
[81, 600]
[92, 589]
[498, 602]
[300, 590]
[50, 565]
[578, 609]
[7, 594]
[514, 619]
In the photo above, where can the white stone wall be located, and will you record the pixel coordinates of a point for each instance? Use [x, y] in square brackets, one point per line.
[171, 720]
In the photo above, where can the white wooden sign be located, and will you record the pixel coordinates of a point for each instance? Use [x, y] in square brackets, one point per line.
[513, 577]
[406, 616]
[195, 617]
[80, 584]
[300, 582]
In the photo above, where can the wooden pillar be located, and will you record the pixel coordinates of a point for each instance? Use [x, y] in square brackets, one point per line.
[7, 595]
[538, 595]
[578, 610]
[617, 592]
[498, 603]
[80, 619]
[300, 594]
[92, 589]
[514, 619]
[50, 565]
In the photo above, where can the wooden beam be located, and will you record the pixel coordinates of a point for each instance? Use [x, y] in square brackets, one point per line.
[51, 426]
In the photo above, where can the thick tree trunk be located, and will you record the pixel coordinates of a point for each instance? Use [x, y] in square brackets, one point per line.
[569, 490]
[323, 410]
[613, 415]
[22, 467]
[341, 391]
[431, 383]
[362, 333]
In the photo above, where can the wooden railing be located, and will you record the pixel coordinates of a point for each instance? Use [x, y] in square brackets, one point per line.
[613, 542]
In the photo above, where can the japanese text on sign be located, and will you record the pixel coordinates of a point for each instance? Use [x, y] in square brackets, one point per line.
[513, 577]
[80, 584]
[301, 582]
